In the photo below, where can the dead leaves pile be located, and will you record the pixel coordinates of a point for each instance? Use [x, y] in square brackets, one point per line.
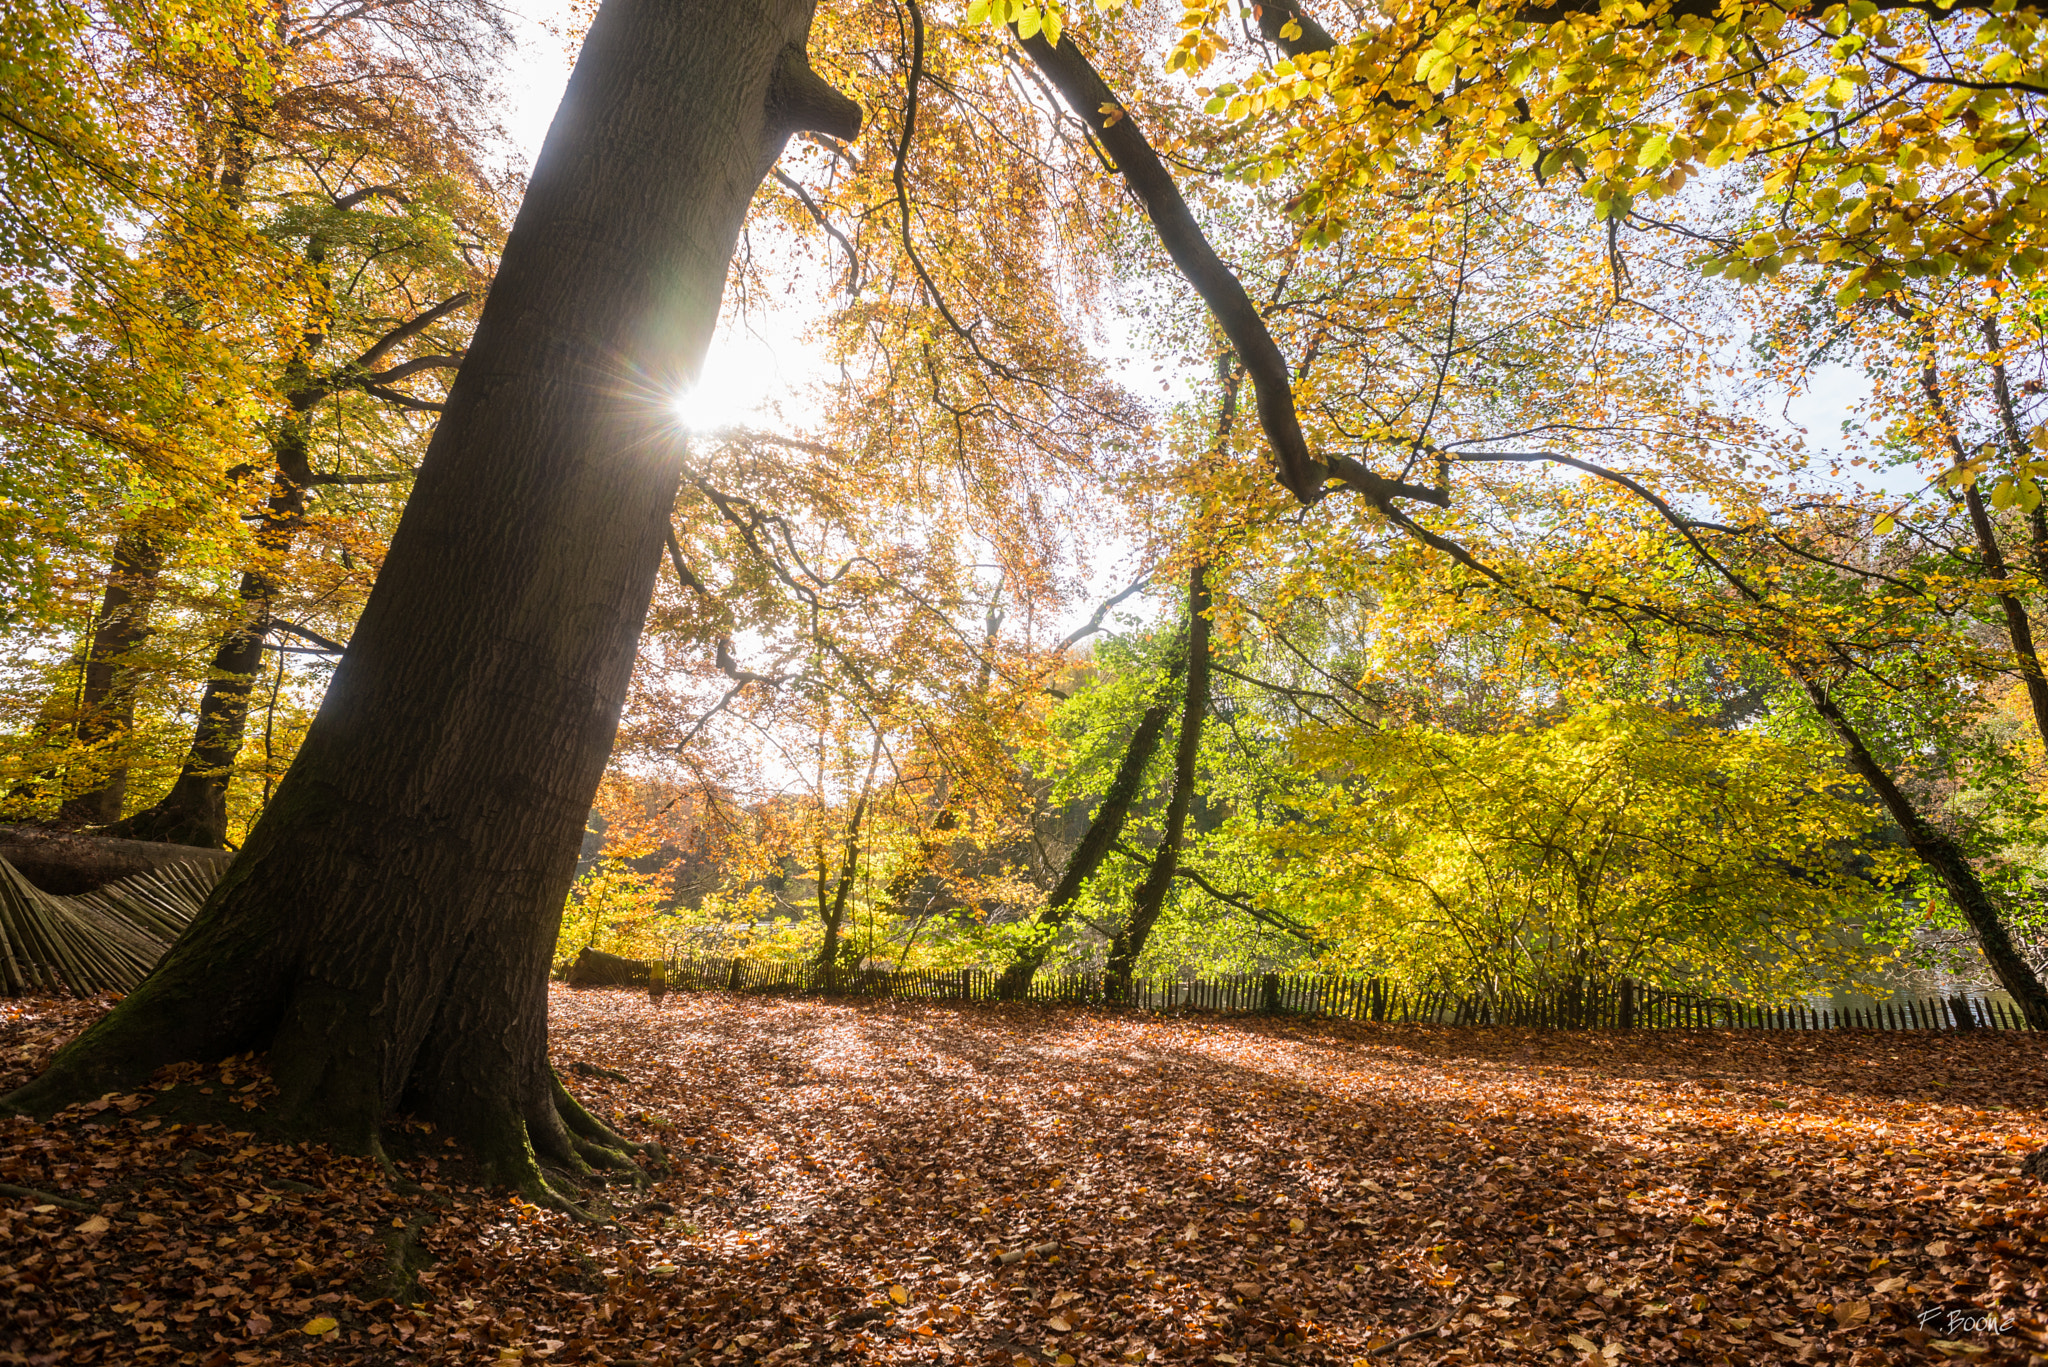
[897, 1184]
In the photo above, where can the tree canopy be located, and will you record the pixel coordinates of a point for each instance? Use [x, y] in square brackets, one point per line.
[1270, 488]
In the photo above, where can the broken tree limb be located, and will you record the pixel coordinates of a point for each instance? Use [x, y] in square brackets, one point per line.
[1019, 1255]
[106, 940]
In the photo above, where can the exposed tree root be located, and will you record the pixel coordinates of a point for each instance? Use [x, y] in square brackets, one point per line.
[47, 1198]
[589, 1127]
[599, 1156]
[549, 1157]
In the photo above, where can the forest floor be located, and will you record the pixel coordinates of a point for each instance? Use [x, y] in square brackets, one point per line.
[846, 1176]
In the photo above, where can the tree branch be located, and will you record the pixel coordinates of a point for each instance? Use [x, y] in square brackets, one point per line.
[1271, 918]
[414, 367]
[1095, 622]
[1085, 92]
[401, 399]
[412, 327]
[308, 634]
[790, 183]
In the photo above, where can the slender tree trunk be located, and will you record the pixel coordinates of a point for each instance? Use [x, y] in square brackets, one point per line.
[833, 914]
[1942, 855]
[2019, 627]
[1150, 898]
[1103, 829]
[195, 810]
[2019, 624]
[386, 931]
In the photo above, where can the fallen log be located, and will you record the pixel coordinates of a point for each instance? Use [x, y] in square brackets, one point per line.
[72, 862]
[595, 968]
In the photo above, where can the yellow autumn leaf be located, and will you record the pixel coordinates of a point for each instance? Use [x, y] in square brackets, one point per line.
[899, 1295]
[319, 1324]
[1297, 1225]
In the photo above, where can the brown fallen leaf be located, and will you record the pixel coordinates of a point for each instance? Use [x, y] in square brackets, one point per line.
[1187, 1146]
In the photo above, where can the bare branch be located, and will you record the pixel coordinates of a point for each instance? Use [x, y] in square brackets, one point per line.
[1095, 622]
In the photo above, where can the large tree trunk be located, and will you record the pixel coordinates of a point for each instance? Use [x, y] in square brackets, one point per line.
[385, 933]
[1150, 898]
[195, 810]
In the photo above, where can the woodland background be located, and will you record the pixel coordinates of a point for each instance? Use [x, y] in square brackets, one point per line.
[993, 640]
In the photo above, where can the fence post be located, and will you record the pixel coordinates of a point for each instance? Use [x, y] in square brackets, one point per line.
[1269, 994]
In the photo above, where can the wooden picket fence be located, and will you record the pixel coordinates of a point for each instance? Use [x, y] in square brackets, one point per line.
[1612, 1004]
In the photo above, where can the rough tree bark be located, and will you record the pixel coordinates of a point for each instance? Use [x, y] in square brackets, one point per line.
[1150, 898]
[386, 931]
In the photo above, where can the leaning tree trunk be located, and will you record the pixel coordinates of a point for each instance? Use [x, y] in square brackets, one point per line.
[1941, 854]
[195, 810]
[832, 913]
[386, 931]
[1103, 829]
[1150, 898]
